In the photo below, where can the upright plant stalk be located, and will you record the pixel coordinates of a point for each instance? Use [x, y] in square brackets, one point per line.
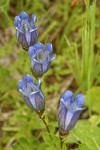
[43, 119]
[70, 108]
[62, 135]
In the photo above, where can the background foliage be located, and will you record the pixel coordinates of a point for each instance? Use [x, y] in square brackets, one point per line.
[74, 30]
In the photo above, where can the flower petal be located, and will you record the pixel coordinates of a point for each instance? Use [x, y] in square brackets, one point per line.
[68, 118]
[33, 18]
[66, 98]
[28, 79]
[23, 15]
[38, 46]
[33, 36]
[21, 38]
[74, 119]
[31, 51]
[67, 95]
[52, 57]
[61, 118]
[37, 100]
[79, 100]
[27, 101]
[21, 85]
[28, 38]
[22, 90]
[38, 69]
[46, 66]
[32, 100]
[17, 21]
[49, 47]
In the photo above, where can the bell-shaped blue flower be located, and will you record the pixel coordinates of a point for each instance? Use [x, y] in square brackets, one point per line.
[31, 93]
[26, 33]
[69, 110]
[40, 58]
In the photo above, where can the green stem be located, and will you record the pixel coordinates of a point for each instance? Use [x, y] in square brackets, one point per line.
[61, 141]
[62, 135]
[61, 144]
[46, 126]
[43, 119]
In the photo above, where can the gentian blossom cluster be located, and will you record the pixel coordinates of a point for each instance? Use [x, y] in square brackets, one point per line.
[40, 59]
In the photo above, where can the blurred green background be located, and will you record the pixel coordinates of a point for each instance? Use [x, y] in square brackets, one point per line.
[73, 27]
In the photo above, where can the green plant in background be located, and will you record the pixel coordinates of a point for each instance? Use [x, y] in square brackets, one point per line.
[85, 67]
[20, 128]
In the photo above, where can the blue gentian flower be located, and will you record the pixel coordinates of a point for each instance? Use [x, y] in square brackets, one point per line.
[69, 110]
[31, 93]
[40, 58]
[26, 33]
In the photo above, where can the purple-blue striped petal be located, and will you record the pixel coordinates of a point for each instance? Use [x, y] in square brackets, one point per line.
[33, 18]
[49, 47]
[69, 115]
[66, 96]
[28, 79]
[27, 101]
[21, 38]
[38, 46]
[31, 52]
[23, 15]
[79, 100]
[52, 57]
[38, 69]
[21, 85]
[37, 100]
[33, 36]
[61, 118]
[46, 66]
[74, 119]
[33, 49]
[17, 21]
